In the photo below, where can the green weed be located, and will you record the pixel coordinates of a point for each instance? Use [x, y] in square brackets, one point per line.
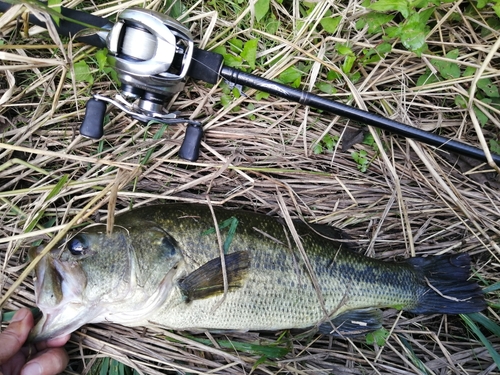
[473, 321]
[327, 143]
[487, 92]
[378, 337]
[110, 366]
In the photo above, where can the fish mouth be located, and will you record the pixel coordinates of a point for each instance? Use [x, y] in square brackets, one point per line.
[47, 328]
[58, 287]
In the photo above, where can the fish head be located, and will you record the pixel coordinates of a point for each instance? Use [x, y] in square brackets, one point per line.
[96, 276]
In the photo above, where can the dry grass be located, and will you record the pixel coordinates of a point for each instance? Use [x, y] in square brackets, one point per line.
[413, 200]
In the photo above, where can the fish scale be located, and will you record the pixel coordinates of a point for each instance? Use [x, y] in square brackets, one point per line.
[161, 265]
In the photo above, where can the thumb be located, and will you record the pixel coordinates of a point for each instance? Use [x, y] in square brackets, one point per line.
[15, 334]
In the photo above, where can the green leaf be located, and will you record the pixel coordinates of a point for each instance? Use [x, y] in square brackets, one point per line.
[424, 15]
[233, 61]
[327, 88]
[372, 55]
[236, 45]
[355, 77]
[361, 160]
[427, 78]
[249, 52]
[261, 95]
[317, 149]
[374, 21]
[413, 34]
[56, 6]
[115, 368]
[383, 48]
[82, 72]
[104, 366]
[482, 118]
[378, 337]
[290, 75]
[236, 92]
[344, 50]
[330, 24]
[272, 25]
[420, 3]
[469, 71]
[348, 64]
[453, 54]
[401, 6]
[460, 101]
[447, 70]
[481, 3]
[221, 50]
[333, 75]
[488, 87]
[327, 142]
[496, 8]
[101, 57]
[176, 8]
[233, 224]
[330, 142]
[225, 100]
[261, 9]
[393, 31]
[495, 146]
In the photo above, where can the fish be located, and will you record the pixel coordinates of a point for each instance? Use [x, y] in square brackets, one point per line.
[173, 265]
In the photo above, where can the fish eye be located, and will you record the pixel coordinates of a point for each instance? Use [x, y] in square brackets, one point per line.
[78, 245]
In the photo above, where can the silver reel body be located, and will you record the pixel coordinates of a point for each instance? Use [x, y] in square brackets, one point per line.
[151, 53]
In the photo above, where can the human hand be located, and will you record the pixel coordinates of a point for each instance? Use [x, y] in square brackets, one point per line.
[46, 358]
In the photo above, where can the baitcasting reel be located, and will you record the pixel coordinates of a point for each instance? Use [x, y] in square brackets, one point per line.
[151, 54]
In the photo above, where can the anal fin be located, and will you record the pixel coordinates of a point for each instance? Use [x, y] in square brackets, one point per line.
[353, 323]
[208, 281]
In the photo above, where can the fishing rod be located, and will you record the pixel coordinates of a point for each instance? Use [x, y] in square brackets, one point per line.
[153, 55]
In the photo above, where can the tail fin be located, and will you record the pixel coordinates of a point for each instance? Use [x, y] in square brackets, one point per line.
[447, 288]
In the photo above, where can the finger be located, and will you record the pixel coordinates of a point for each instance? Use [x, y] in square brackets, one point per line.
[53, 343]
[14, 364]
[52, 361]
[15, 334]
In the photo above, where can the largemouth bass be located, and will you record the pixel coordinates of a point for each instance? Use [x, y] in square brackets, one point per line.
[162, 265]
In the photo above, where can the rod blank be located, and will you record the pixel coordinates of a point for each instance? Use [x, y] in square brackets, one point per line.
[318, 102]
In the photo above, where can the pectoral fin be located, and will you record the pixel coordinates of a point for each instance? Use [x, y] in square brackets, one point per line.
[353, 323]
[208, 280]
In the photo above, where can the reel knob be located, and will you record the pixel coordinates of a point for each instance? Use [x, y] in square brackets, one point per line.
[190, 148]
[93, 123]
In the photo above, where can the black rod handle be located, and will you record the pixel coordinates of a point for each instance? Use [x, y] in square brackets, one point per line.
[318, 102]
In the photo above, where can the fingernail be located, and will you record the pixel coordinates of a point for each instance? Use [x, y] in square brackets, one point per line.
[32, 368]
[20, 315]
